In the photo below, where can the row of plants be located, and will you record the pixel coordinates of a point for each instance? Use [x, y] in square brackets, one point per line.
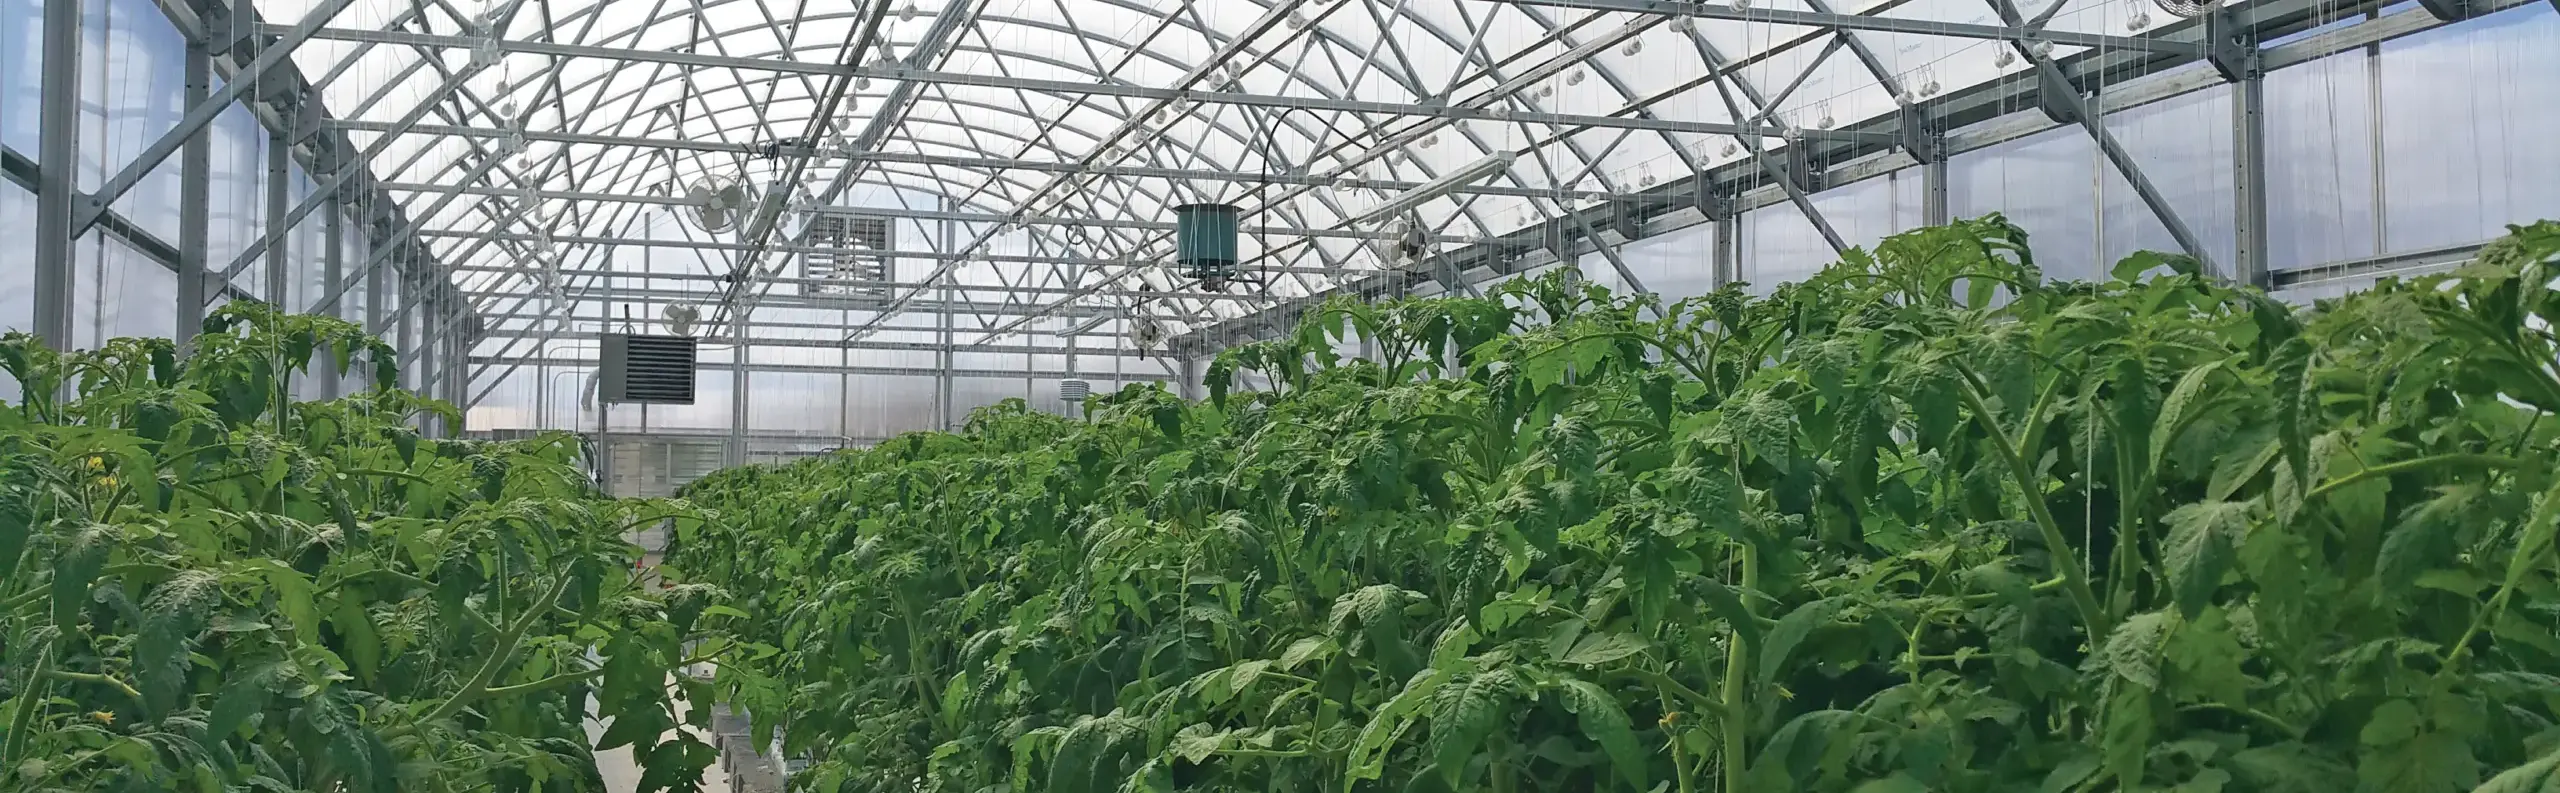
[207, 585]
[1923, 522]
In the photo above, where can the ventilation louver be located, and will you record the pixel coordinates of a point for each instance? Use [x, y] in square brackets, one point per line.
[850, 251]
[655, 370]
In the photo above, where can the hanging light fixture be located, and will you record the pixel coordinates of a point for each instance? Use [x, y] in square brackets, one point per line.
[2003, 56]
[1684, 25]
[1574, 77]
[907, 13]
[1632, 47]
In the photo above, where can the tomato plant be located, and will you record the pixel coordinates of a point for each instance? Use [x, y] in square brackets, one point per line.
[206, 585]
[1923, 522]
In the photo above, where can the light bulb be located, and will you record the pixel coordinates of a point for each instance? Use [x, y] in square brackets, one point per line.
[1930, 88]
[507, 108]
[1430, 140]
[1730, 148]
[862, 83]
[1574, 77]
[1646, 180]
[1824, 122]
[1633, 46]
[2040, 47]
[1683, 25]
[1297, 20]
[907, 13]
[1546, 89]
[2003, 57]
[2138, 21]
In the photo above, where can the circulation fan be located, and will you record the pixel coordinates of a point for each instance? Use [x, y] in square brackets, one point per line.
[718, 204]
[2185, 9]
[680, 318]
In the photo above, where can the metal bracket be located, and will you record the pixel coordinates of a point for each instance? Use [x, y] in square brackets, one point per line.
[1713, 201]
[2449, 10]
[2228, 48]
[1626, 217]
[1920, 137]
[1558, 241]
[1801, 166]
[2051, 88]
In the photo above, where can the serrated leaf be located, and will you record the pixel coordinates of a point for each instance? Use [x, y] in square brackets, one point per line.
[1601, 648]
[2539, 776]
[2132, 651]
[1368, 749]
[1790, 631]
[1605, 723]
[2202, 540]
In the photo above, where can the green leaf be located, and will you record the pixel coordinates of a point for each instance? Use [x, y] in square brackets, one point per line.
[1368, 750]
[2539, 776]
[2431, 762]
[1606, 723]
[2174, 412]
[2202, 540]
[1792, 630]
[2394, 722]
[1601, 648]
[2132, 651]
[1463, 717]
[1898, 783]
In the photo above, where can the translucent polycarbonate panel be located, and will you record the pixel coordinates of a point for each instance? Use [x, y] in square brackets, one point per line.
[21, 72]
[118, 292]
[2321, 173]
[2192, 171]
[236, 205]
[17, 268]
[1780, 245]
[1675, 265]
[2466, 120]
[133, 91]
[2079, 214]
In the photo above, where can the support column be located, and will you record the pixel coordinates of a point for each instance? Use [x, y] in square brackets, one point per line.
[374, 281]
[2249, 177]
[1933, 193]
[405, 340]
[1726, 264]
[279, 160]
[738, 381]
[57, 167]
[195, 193]
[333, 251]
[427, 353]
[947, 360]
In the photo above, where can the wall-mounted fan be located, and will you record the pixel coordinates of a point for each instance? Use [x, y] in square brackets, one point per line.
[2185, 9]
[718, 204]
[1145, 334]
[1411, 244]
[680, 318]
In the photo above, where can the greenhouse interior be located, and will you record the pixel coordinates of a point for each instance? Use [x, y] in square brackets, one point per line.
[1280, 395]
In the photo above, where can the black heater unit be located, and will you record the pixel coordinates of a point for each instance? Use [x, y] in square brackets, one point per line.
[653, 370]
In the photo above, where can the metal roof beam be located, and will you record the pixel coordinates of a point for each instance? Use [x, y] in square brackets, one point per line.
[1484, 112]
[2015, 31]
[982, 163]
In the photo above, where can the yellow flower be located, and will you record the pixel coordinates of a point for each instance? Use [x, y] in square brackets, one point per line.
[102, 717]
[1670, 718]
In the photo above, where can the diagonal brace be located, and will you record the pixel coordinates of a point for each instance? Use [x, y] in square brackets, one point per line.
[193, 123]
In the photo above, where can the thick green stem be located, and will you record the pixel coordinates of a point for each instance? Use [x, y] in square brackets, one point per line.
[31, 696]
[506, 649]
[1736, 723]
[2093, 618]
[2404, 466]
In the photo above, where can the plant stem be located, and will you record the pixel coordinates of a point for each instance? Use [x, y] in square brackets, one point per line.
[1737, 669]
[479, 683]
[30, 697]
[2075, 580]
[2403, 466]
[84, 677]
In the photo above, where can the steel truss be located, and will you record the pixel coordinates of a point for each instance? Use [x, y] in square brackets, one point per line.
[523, 187]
